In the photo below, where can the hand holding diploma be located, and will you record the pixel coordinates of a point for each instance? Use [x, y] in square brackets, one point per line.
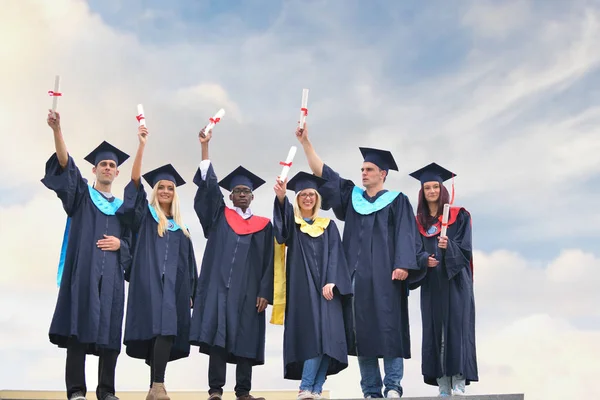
[303, 108]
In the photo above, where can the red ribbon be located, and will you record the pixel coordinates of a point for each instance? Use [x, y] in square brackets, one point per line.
[285, 164]
[214, 120]
[304, 110]
[54, 94]
[139, 117]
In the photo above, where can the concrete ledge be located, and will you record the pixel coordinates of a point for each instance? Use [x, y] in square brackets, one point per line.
[200, 395]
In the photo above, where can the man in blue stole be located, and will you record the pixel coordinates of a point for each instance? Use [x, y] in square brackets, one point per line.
[379, 243]
[95, 253]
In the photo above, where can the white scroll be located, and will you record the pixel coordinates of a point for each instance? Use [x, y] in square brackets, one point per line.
[304, 108]
[214, 120]
[445, 219]
[55, 94]
[287, 164]
[140, 115]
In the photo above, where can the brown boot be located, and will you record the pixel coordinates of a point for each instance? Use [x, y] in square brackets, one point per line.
[249, 397]
[158, 392]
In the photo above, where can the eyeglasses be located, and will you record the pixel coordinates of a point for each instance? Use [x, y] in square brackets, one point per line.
[305, 195]
[240, 191]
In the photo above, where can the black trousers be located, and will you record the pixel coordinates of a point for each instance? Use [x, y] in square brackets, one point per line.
[217, 369]
[159, 357]
[75, 370]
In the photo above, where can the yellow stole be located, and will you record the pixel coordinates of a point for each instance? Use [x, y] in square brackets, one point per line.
[315, 229]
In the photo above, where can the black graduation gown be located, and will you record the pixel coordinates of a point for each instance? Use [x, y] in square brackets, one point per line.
[161, 283]
[92, 291]
[447, 303]
[376, 242]
[313, 325]
[235, 270]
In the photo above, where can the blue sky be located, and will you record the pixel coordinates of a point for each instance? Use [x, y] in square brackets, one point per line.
[503, 93]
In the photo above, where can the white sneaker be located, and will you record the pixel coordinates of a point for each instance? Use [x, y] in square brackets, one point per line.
[317, 396]
[304, 395]
[458, 392]
[393, 394]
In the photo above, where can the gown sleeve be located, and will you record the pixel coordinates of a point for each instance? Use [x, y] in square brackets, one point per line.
[336, 193]
[134, 207]
[208, 202]
[459, 252]
[405, 255]
[67, 183]
[266, 282]
[337, 270]
[283, 221]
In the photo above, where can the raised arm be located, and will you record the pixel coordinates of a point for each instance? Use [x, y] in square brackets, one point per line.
[283, 213]
[314, 161]
[59, 142]
[208, 202]
[136, 170]
[62, 175]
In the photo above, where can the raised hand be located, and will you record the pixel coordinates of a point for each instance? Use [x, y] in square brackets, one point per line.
[53, 120]
[302, 134]
[142, 134]
[204, 137]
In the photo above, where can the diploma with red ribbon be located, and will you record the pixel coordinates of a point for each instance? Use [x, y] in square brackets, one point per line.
[214, 120]
[55, 94]
[304, 108]
[140, 115]
[445, 219]
[287, 164]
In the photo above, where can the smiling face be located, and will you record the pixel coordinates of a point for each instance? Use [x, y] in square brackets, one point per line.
[241, 196]
[307, 199]
[371, 174]
[106, 171]
[431, 190]
[165, 191]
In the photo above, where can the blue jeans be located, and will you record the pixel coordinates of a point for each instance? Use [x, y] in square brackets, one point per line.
[314, 374]
[370, 381]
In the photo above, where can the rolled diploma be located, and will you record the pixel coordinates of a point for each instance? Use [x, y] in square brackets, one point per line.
[445, 219]
[141, 115]
[288, 160]
[56, 90]
[304, 106]
[217, 117]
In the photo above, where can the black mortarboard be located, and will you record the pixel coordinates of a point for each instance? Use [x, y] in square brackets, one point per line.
[303, 180]
[382, 158]
[167, 173]
[432, 173]
[106, 151]
[241, 176]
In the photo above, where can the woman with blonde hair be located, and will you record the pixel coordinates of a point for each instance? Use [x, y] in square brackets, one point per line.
[163, 275]
[317, 287]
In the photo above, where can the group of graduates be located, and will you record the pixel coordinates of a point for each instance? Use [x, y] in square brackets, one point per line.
[336, 295]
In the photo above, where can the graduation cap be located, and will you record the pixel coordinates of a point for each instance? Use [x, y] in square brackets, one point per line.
[432, 173]
[241, 176]
[303, 180]
[106, 151]
[167, 173]
[382, 158]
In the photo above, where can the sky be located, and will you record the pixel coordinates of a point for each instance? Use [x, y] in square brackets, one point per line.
[503, 93]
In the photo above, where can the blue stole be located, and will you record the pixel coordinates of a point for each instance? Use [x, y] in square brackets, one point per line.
[171, 225]
[104, 206]
[365, 207]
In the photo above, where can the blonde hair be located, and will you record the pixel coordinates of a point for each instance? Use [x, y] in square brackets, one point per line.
[162, 218]
[316, 207]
